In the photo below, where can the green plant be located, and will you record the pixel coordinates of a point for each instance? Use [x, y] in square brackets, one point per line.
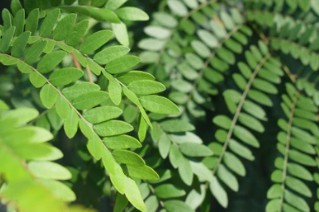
[227, 72]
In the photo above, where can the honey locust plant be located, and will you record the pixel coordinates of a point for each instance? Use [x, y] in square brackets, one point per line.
[216, 106]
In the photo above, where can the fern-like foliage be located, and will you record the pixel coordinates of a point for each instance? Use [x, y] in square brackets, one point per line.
[234, 68]
[38, 45]
[28, 173]
[296, 143]
[193, 50]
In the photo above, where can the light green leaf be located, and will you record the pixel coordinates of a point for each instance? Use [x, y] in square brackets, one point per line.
[71, 124]
[133, 194]
[132, 14]
[89, 100]
[48, 95]
[228, 178]
[31, 23]
[115, 91]
[164, 144]
[218, 192]
[177, 7]
[19, 44]
[49, 22]
[122, 142]
[32, 54]
[246, 136]
[128, 158]
[50, 61]
[101, 114]
[142, 172]
[64, 27]
[195, 150]
[59, 189]
[222, 121]
[121, 34]
[185, 171]
[168, 191]
[117, 66]
[233, 163]
[49, 170]
[79, 89]
[114, 4]
[64, 76]
[298, 186]
[110, 53]
[176, 125]
[100, 14]
[146, 87]
[132, 76]
[158, 104]
[95, 41]
[113, 127]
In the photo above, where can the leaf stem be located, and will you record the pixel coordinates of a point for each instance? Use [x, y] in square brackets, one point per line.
[239, 108]
[288, 140]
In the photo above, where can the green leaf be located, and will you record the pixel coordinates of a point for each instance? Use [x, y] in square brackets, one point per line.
[298, 186]
[79, 89]
[122, 142]
[218, 192]
[128, 158]
[296, 201]
[31, 23]
[132, 14]
[151, 44]
[142, 172]
[59, 189]
[100, 14]
[113, 127]
[245, 136]
[50, 61]
[164, 144]
[133, 194]
[299, 171]
[32, 54]
[89, 100]
[115, 91]
[114, 4]
[64, 27]
[228, 178]
[275, 191]
[48, 95]
[71, 124]
[222, 121]
[64, 76]
[251, 122]
[49, 170]
[49, 22]
[177, 7]
[6, 39]
[233, 163]
[101, 114]
[110, 53]
[185, 171]
[158, 104]
[176, 125]
[133, 76]
[95, 41]
[175, 156]
[19, 44]
[121, 34]
[146, 87]
[195, 150]
[168, 191]
[117, 66]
